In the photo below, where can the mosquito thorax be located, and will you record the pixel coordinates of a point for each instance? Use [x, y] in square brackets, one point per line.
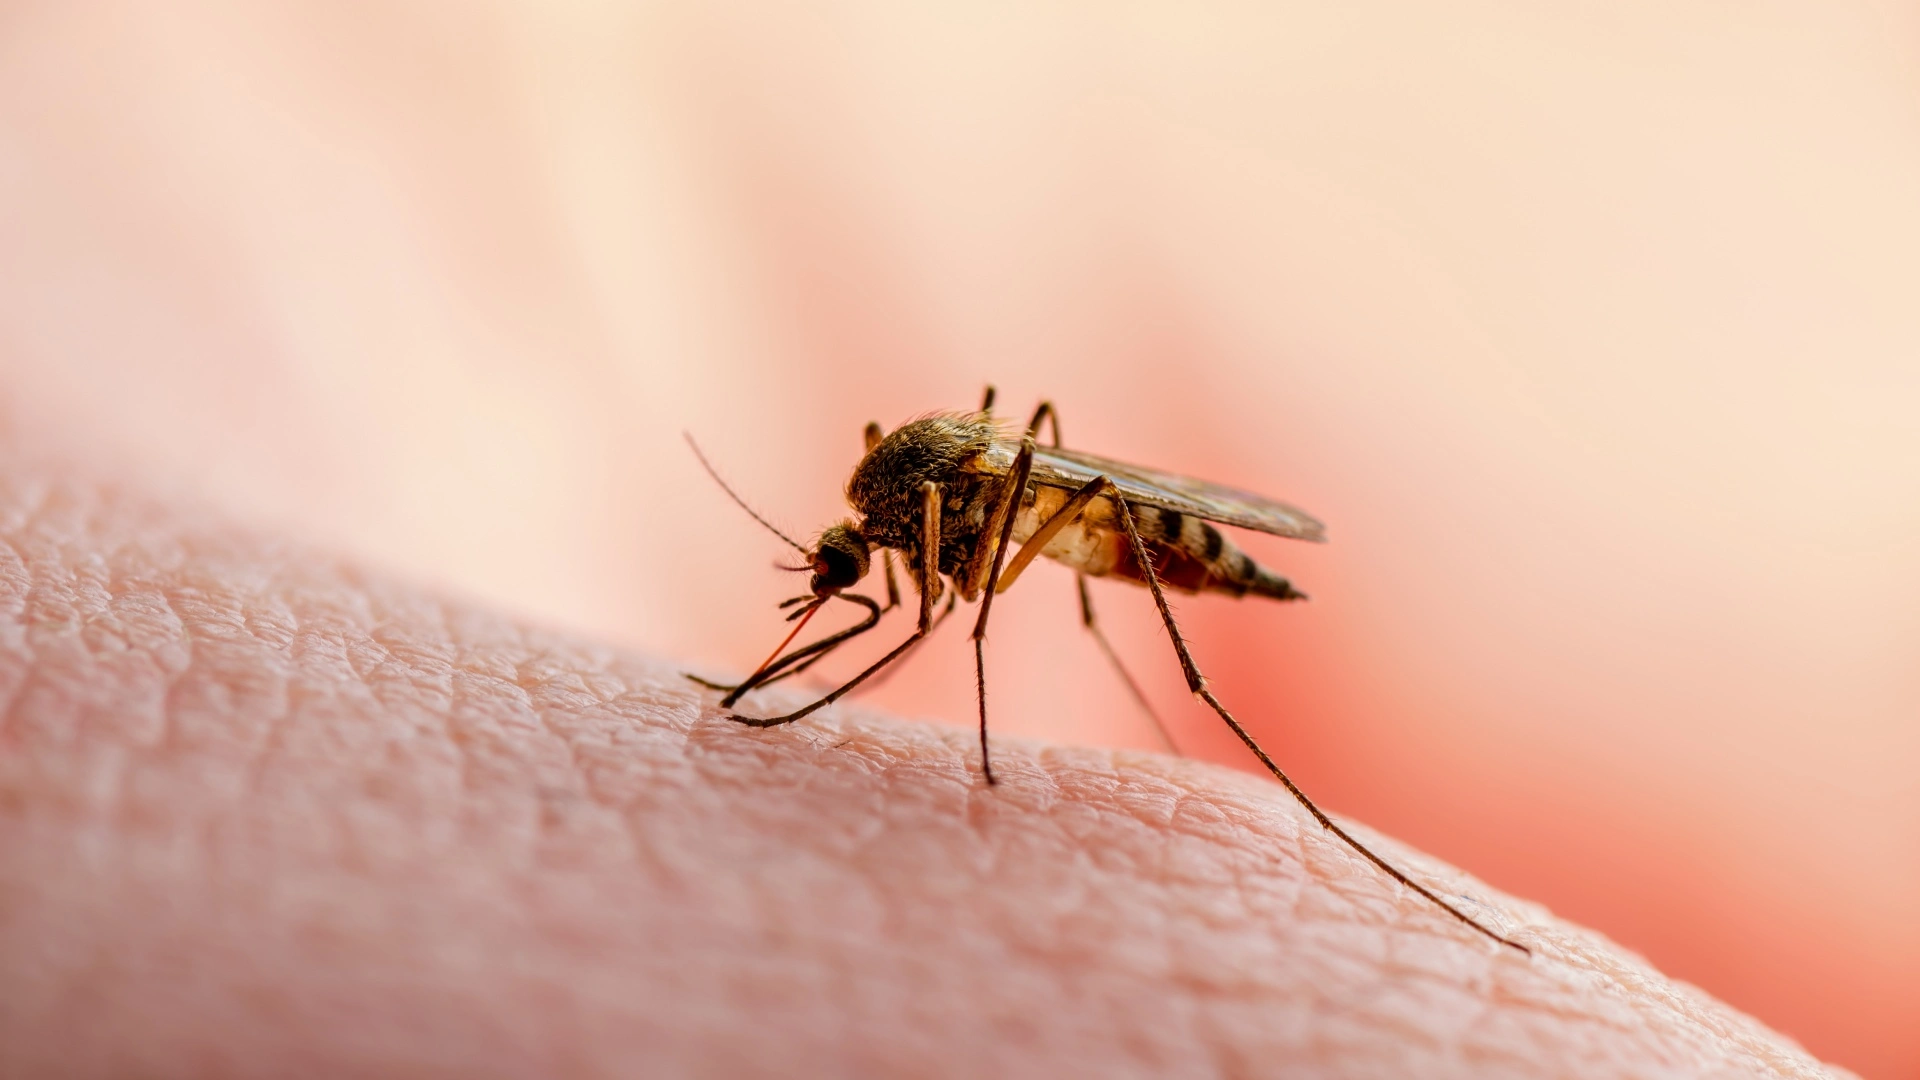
[840, 559]
[886, 486]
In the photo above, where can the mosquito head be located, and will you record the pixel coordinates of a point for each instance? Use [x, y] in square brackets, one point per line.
[839, 559]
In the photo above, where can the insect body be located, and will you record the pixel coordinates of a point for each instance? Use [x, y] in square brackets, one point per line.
[968, 506]
[1173, 515]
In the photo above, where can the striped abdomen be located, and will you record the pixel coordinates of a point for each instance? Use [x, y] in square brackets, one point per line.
[1189, 553]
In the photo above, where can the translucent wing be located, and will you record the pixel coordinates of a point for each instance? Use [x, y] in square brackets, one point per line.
[1055, 467]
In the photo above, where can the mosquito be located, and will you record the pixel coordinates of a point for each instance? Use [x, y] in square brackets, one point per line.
[952, 494]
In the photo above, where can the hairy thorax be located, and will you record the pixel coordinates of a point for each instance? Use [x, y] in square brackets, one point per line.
[887, 486]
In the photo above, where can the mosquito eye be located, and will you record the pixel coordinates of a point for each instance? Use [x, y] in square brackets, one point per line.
[837, 568]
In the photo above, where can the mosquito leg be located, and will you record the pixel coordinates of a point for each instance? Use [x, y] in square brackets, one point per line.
[772, 671]
[893, 587]
[831, 644]
[1075, 505]
[801, 713]
[929, 590]
[1139, 695]
[1197, 683]
[801, 667]
[1047, 412]
[1004, 513]
[953, 598]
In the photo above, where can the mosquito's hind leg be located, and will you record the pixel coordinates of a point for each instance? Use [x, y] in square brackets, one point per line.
[1086, 619]
[1197, 683]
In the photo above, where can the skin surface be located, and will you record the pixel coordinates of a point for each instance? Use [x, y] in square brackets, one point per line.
[265, 813]
[1588, 329]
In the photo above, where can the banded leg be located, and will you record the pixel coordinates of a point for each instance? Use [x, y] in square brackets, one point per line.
[1197, 683]
[929, 592]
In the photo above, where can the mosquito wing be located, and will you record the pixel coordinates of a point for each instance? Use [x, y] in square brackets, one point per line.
[1070, 469]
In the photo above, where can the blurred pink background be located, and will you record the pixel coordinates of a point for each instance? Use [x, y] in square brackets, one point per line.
[1591, 331]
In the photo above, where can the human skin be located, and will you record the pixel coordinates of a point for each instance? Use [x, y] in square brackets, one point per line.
[264, 812]
[1587, 329]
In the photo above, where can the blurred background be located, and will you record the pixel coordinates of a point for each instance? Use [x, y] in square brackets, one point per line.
[1591, 330]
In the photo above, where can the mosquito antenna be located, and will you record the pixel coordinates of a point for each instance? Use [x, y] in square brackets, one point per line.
[731, 494]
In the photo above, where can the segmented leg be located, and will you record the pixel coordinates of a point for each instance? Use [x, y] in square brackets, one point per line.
[929, 592]
[804, 656]
[1197, 683]
[953, 598]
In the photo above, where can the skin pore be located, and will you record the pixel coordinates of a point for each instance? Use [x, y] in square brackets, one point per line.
[266, 812]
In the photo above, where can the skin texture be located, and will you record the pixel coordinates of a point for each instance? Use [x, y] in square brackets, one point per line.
[265, 813]
[1588, 329]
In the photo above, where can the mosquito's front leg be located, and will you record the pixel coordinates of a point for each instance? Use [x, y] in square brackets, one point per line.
[953, 598]
[929, 552]
[1197, 683]
[929, 586]
[801, 658]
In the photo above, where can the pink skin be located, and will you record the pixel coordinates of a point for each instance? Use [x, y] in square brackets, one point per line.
[263, 813]
[1586, 328]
